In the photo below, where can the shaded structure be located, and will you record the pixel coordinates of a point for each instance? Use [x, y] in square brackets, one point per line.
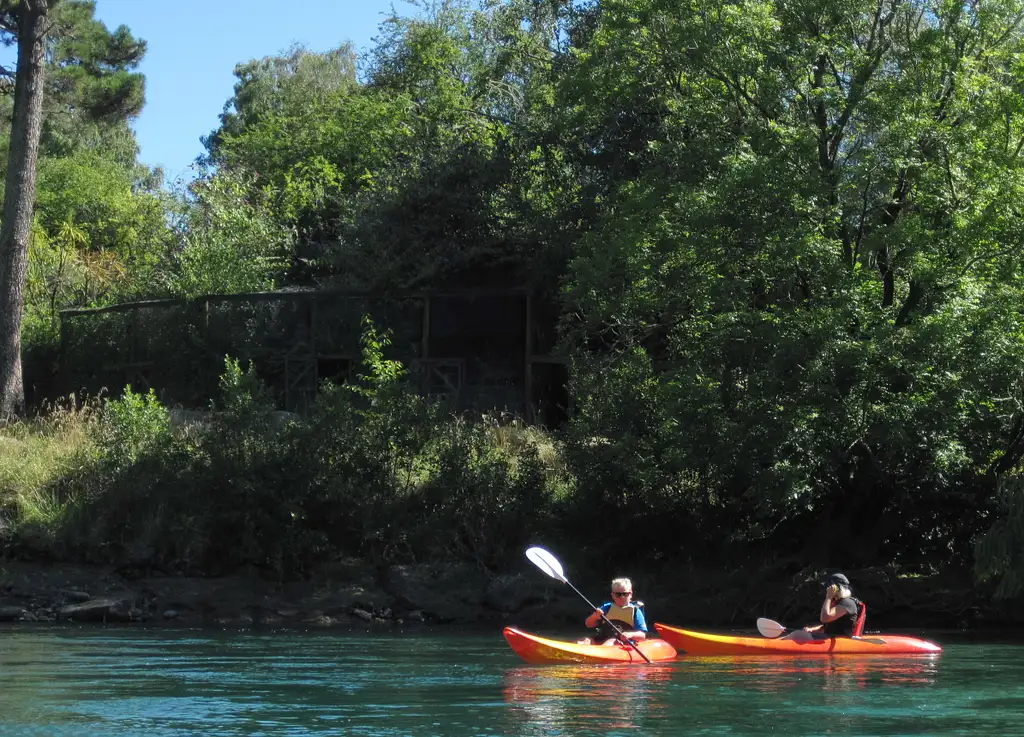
[483, 350]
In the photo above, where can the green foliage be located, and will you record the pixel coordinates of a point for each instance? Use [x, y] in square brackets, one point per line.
[482, 501]
[93, 203]
[382, 374]
[35, 455]
[91, 67]
[797, 228]
[273, 84]
[787, 240]
[392, 479]
[999, 553]
[131, 428]
[230, 241]
[410, 178]
[100, 229]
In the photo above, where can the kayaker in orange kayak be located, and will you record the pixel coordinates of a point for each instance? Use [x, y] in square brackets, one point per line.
[839, 612]
[623, 612]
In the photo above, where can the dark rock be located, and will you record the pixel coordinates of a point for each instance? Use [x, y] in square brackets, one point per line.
[75, 597]
[556, 612]
[346, 573]
[332, 599]
[510, 593]
[11, 613]
[99, 610]
[321, 620]
[453, 593]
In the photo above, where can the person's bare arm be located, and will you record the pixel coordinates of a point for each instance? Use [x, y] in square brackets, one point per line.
[829, 611]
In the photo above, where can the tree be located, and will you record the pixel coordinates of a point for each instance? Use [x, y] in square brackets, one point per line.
[94, 69]
[275, 83]
[421, 175]
[798, 293]
[27, 20]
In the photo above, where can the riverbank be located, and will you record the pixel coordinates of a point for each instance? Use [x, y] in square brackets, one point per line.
[353, 594]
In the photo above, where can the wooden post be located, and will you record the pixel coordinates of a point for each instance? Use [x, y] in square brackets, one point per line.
[313, 315]
[62, 359]
[425, 352]
[308, 399]
[528, 362]
[425, 347]
[131, 336]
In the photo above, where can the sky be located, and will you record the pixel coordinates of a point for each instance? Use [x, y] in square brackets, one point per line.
[194, 45]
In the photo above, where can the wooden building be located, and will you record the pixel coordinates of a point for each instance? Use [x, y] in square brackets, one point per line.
[482, 350]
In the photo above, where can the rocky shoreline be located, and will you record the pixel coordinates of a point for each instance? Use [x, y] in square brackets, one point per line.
[354, 594]
[348, 595]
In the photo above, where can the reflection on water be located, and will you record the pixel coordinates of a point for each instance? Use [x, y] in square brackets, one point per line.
[770, 674]
[608, 696]
[588, 698]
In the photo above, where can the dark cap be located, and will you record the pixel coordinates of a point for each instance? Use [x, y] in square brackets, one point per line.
[836, 578]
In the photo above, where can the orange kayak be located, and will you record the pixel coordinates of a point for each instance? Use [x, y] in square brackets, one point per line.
[702, 643]
[534, 649]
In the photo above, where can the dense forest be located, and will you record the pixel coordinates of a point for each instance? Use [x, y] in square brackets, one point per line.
[785, 239]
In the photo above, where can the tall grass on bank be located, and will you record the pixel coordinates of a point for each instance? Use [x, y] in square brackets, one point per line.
[36, 454]
[373, 471]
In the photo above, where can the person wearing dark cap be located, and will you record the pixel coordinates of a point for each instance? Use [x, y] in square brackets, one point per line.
[839, 610]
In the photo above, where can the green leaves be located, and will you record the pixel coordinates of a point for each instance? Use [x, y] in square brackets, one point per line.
[231, 240]
[802, 217]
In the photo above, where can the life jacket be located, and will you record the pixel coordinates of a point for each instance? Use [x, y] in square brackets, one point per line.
[862, 613]
[623, 617]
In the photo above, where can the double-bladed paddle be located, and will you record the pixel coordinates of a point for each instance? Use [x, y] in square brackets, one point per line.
[550, 565]
[772, 629]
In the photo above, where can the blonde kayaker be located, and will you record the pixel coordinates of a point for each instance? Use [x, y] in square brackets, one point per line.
[623, 612]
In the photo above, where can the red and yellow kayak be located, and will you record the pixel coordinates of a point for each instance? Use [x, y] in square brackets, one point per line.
[534, 649]
[703, 643]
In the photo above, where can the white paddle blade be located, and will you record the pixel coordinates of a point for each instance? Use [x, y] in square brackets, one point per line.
[769, 628]
[546, 562]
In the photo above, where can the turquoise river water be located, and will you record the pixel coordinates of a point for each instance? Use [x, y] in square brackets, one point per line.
[83, 682]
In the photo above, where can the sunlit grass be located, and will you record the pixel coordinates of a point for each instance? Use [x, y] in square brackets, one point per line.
[515, 436]
[38, 451]
[73, 478]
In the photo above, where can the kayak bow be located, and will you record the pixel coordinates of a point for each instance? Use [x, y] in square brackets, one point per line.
[534, 649]
[703, 643]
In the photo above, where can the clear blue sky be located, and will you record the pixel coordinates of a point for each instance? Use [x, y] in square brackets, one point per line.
[194, 45]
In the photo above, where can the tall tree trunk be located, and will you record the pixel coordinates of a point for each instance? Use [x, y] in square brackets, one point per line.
[19, 198]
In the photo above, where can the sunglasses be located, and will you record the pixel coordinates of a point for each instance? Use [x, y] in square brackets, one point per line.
[622, 593]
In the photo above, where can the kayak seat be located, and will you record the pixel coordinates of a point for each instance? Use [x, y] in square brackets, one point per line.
[858, 626]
